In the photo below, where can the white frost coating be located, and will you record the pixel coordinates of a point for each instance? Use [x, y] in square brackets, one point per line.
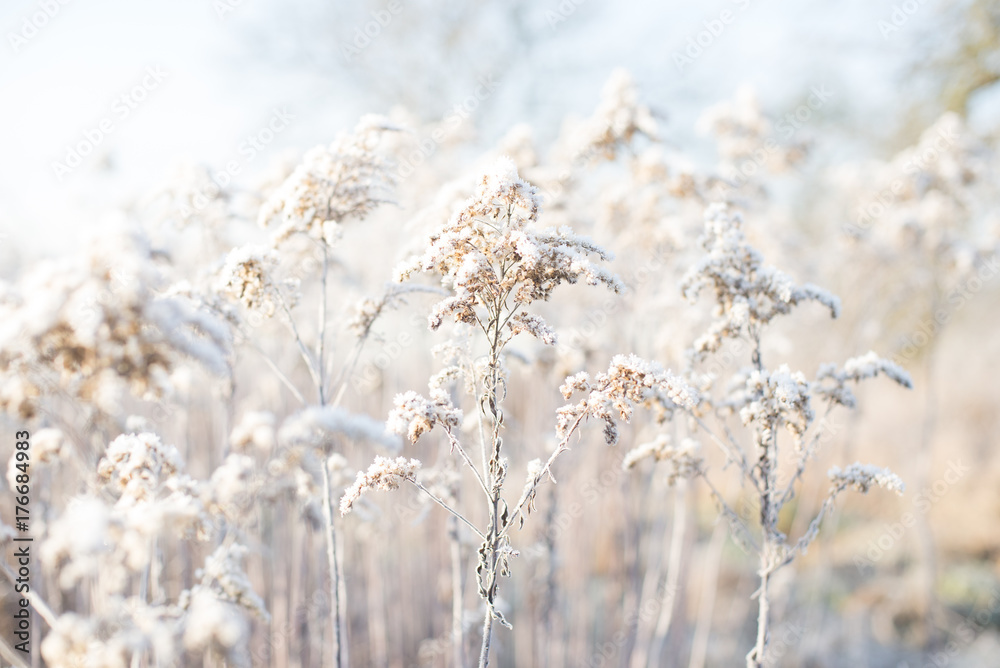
[384, 474]
[863, 477]
[314, 425]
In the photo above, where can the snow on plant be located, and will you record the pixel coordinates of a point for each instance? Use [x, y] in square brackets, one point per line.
[496, 262]
[769, 401]
[346, 180]
[617, 120]
[929, 198]
[89, 333]
[92, 329]
[216, 607]
[116, 547]
[747, 140]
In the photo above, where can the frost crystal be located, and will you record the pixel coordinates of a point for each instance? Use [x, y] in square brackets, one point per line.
[863, 477]
[384, 474]
[490, 250]
[683, 461]
[346, 180]
[629, 380]
[748, 293]
[246, 278]
[414, 415]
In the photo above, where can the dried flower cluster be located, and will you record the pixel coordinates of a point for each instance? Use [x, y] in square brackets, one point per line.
[683, 460]
[831, 382]
[384, 474]
[610, 396]
[414, 415]
[618, 118]
[346, 180]
[862, 477]
[491, 252]
[748, 294]
[246, 278]
[87, 329]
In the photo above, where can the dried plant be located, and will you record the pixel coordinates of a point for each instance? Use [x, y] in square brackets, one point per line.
[497, 263]
[769, 401]
[191, 392]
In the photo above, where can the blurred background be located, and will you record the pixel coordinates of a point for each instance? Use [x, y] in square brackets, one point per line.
[108, 108]
[228, 64]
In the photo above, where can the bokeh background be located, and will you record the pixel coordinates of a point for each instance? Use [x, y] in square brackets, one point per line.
[203, 77]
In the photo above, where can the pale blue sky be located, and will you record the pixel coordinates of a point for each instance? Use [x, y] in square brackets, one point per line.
[226, 75]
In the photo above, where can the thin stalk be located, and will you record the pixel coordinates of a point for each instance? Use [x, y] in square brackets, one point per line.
[332, 563]
[457, 635]
[925, 536]
[673, 571]
[755, 658]
[444, 505]
[456, 445]
[279, 373]
[484, 652]
[767, 443]
[303, 351]
[492, 541]
[709, 582]
[321, 344]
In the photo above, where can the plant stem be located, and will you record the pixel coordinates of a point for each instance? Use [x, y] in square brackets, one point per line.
[484, 652]
[767, 448]
[457, 635]
[755, 658]
[495, 481]
[709, 582]
[444, 505]
[674, 565]
[321, 344]
[332, 564]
